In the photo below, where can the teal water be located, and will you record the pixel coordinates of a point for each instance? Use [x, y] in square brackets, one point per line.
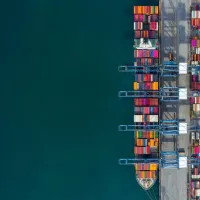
[59, 108]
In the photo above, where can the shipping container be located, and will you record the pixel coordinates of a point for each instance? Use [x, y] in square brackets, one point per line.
[140, 18]
[153, 18]
[195, 149]
[196, 107]
[141, 142]
[195, 22]
[196, 86]
[195, 14]
[195, 43]
[138, 25]
[153, 26]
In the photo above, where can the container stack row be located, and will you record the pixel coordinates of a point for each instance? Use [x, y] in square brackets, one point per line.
[146, 166]
[196, 79]
[195, 106]
[146, 34]
[195, 139]
[146, 27]
[146, 174]
[195, 99]
[195, 183]
[195, 42]
[146, 110]
[145, 53]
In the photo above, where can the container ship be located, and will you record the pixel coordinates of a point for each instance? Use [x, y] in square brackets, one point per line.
[146, 110]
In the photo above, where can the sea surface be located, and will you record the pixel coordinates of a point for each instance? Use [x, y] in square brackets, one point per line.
[59, 109]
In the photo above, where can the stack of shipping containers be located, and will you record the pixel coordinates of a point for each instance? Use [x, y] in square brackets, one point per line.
[195, 183]
[195, 99]
[146, 110]
[195, 42]
[145, 26]
[196, 78]
[195, 106]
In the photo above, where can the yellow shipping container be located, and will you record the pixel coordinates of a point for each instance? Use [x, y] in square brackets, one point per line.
[139, 10]
[153, 167]
[155, 85]
[135, 86]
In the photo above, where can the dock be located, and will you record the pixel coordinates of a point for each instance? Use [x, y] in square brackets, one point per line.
[175, 35]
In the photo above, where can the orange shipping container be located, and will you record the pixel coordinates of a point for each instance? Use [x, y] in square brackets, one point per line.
[155, 85]
[156, 10]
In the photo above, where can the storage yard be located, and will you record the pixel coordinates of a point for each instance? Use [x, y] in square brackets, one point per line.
[166, 98]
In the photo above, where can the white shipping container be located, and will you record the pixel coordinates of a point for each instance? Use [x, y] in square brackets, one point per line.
[194, 62]
[195, 176]
[197, 50]
[193, 14]
[153, 118]
[196, 107]
[156, 25]
[151, 77]
[137, 118]
[197, 192]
